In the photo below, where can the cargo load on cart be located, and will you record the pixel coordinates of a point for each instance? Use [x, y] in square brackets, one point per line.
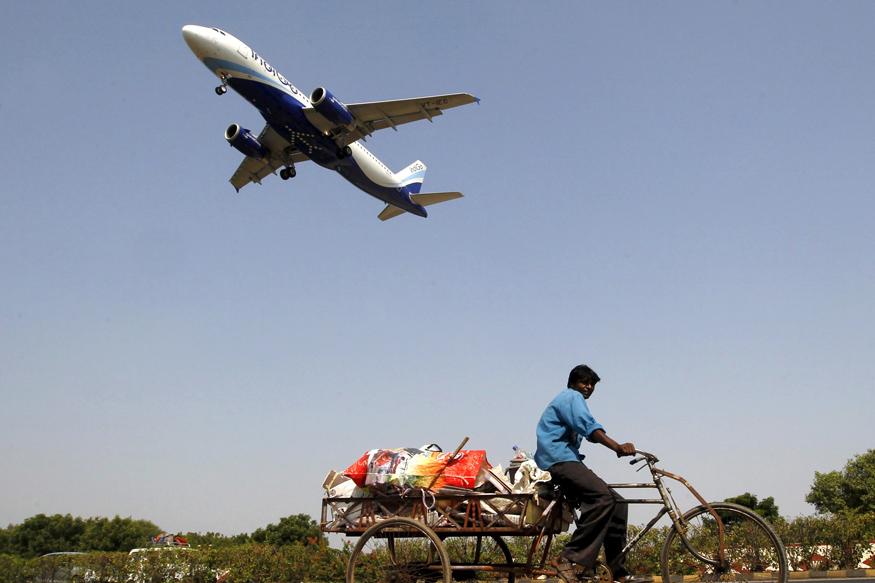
[456, 491]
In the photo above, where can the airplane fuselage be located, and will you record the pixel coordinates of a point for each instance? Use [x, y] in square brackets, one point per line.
[282, 106]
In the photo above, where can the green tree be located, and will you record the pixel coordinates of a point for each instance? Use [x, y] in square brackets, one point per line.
[43, 534]
[4, 541]
[768, 509]
[852, 489]
[298, 528]
[765, 507]
[116, 534]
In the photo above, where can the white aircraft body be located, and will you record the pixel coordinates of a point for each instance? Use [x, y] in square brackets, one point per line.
[318, 127]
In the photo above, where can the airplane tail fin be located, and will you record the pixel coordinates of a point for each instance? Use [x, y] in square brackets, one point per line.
[424, 199]
[412, 176]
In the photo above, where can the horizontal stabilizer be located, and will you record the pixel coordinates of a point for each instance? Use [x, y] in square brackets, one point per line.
[430, 198]
[424, 199]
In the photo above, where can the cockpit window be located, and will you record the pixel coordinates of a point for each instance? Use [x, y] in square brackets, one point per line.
[222, 32]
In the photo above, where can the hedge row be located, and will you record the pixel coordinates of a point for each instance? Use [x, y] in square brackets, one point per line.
[834, 542]
[251, 563]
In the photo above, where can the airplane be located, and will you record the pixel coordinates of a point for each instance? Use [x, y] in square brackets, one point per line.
[318, 127]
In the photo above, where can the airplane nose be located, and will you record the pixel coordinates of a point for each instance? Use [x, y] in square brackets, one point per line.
[197, 38]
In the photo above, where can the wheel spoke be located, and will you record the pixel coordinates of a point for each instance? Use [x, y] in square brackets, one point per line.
[469, 551]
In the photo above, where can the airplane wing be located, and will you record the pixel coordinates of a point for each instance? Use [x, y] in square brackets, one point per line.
[377, 115]
[281, 153]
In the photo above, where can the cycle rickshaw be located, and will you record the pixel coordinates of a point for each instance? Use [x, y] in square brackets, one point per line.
[459, 535]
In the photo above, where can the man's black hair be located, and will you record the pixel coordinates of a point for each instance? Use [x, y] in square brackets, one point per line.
[581, 372]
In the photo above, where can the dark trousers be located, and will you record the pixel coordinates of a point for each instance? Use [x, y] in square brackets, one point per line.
[602, 518]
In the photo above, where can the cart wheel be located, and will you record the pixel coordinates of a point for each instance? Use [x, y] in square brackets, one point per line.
[479, 551]
[603, 574]
[399, 550]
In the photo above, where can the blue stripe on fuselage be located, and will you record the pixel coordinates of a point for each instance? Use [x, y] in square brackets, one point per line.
[285, 114]
[214, 64]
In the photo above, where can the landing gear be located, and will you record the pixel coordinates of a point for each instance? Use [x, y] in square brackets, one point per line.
[344, 152]
[288, 172]
[223, 88]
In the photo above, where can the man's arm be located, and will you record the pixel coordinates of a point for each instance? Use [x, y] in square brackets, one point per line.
[621, 449]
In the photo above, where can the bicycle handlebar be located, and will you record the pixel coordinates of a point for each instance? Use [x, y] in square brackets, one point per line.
[643, 455]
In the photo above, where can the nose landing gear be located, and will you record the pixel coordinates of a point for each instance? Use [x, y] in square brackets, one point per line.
[223, 88]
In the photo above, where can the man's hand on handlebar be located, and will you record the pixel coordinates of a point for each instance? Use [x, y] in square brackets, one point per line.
[621, 449]
[624, 449]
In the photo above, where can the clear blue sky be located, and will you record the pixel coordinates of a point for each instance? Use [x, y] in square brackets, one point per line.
[679, 194]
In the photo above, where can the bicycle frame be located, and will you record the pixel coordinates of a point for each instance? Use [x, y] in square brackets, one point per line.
[669, 506]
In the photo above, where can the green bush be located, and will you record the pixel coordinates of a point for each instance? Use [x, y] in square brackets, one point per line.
[847, 535]
[643, 559]
[15, 569]
[102, 567]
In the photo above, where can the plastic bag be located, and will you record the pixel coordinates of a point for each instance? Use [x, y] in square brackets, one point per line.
[417, 468]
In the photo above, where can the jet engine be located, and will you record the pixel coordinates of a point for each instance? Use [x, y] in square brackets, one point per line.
[243, 140]
[330, 107]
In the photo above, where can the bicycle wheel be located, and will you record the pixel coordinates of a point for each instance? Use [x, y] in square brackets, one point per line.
[398, 550]
[752, 549]
[468, 552]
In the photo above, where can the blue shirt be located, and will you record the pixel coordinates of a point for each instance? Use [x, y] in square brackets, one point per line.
[563, 425]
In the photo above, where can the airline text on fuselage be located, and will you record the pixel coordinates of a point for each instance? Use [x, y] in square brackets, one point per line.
[266, 66]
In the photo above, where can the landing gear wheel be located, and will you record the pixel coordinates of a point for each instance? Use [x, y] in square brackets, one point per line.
[287, 173]
[221, 90]
[344, 152]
